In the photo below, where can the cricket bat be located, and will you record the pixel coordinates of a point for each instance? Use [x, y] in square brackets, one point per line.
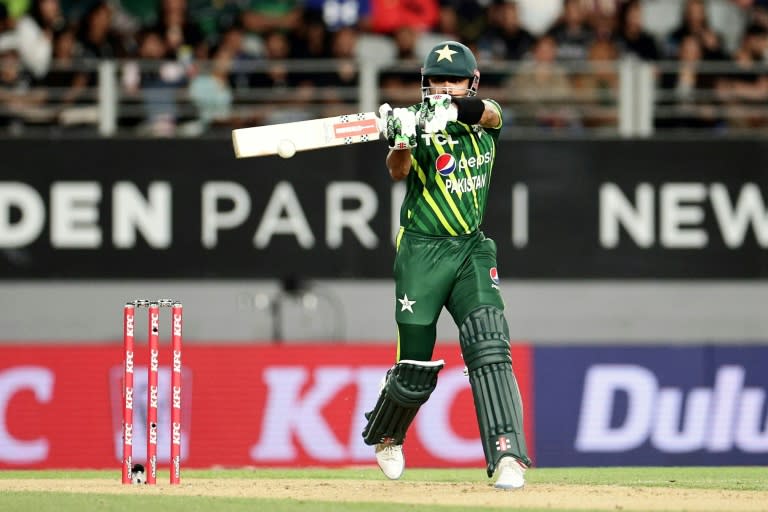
[304, 135]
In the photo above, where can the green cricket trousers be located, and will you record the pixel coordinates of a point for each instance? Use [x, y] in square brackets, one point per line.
[431, 272]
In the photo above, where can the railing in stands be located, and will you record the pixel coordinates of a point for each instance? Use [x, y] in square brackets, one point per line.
[627, 98]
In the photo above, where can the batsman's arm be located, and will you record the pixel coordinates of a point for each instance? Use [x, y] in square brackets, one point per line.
[399, 163]
[491, 117]
[437, 110]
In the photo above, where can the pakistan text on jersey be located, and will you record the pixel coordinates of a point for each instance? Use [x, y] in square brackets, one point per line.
[466, 184]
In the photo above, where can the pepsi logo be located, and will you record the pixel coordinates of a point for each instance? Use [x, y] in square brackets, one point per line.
[494, 275]
[445, 164]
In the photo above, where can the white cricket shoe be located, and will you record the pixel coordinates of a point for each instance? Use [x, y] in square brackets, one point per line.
[390, 459]
[510, 474]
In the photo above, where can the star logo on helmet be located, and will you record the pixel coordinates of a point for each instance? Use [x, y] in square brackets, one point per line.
[445, 53]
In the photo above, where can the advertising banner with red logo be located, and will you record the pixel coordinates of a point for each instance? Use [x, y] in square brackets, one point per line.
[242, 405]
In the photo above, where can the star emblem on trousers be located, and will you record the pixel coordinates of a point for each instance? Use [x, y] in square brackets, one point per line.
[445, 53]
[407, 305]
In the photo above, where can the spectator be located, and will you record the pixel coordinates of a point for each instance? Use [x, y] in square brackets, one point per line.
[572, 33]
[210, 91]
[747, 87]
[686, 94]
[231, 40]
[405, 41]
[448, 25]
[66, 82]
[242, 66]
[605, 27]
[97, 39]
[35, 32]
[544, 89]
[594, 8]
[181, 35]
[598, 86]
[275, 84]
[399, 85]
[156, 83]
[20, 101]
[463, 20]
[632, 37]
[695, 23]
[389, 15]
[505, 38]
[758, 15]
[602, 16]
[276, 76]
[312, 40]
[338, 88]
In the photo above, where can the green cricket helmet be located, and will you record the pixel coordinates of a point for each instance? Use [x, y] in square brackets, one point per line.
[450, 58]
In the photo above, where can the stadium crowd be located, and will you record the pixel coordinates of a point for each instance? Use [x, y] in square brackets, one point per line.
[244, 62]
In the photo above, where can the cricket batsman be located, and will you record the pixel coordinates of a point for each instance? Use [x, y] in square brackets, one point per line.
[445, 147]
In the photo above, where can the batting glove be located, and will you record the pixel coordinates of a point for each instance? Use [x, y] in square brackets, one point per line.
[400, 128]
[436, 111]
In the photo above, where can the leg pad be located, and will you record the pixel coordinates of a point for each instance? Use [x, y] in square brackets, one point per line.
[484, 337]
[407, 386]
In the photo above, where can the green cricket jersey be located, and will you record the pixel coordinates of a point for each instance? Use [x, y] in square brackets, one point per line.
[449, 179]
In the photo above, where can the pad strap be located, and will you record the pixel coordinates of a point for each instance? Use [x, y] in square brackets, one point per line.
[407, 386]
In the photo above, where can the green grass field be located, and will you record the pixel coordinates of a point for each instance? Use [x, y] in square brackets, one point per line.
[364, 489]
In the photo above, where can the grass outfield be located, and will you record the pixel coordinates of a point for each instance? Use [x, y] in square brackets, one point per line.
[365, 489]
